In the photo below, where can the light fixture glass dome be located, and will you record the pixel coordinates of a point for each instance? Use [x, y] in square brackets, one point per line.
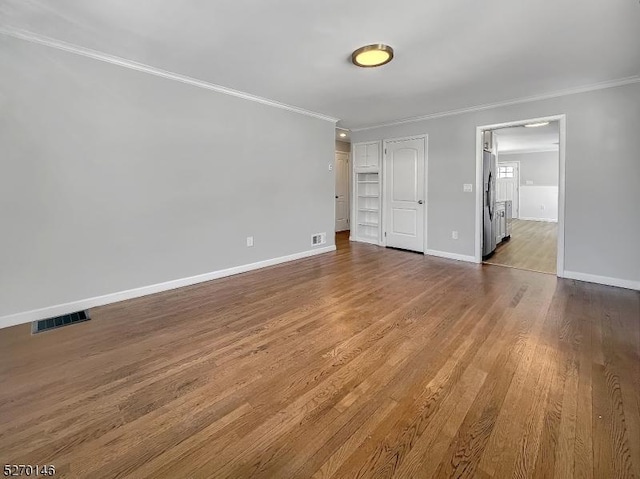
[374, 55]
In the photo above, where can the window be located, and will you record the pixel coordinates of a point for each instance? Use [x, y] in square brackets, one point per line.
[505, 172]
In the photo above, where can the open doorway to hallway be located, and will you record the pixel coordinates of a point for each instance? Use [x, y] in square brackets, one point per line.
[521, 195]
[342, 178]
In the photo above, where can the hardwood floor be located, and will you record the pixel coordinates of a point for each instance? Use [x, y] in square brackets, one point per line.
[367, 362]
[533, 246]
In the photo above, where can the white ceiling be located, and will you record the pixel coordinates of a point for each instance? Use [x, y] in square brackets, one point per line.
[521, 139]
[450, 54]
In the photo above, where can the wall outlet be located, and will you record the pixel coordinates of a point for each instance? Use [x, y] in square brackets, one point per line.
[542, 207]
[330, 167]
[249, 240]
[467, 188]
[454, 235]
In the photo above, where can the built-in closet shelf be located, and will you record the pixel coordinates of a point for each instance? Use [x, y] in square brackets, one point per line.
[367, 190]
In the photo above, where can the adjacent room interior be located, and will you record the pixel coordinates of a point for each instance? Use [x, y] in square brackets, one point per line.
[524, 215]
[343, 181]
[319, 239]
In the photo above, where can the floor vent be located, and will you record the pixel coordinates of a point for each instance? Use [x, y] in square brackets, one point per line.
[58, 322]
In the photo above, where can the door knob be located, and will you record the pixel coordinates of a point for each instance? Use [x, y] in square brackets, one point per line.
[419, 202]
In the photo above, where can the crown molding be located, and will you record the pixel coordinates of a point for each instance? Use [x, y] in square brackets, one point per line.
[517, 101]
[528, 150]
[141, 67]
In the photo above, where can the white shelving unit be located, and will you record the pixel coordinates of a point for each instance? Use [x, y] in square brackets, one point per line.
[367, 192]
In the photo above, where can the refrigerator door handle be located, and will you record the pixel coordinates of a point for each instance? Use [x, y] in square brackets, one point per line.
[490, 196]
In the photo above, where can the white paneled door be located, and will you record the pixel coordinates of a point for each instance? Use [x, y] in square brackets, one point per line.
[342, 191]
[405, 206]
[508, 185]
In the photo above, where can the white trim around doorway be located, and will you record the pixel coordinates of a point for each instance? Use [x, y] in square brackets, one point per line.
[562, 121]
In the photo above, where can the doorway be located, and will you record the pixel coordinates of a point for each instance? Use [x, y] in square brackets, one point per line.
[404, 193]
[520, 215]
[508, 185]
[342, 191]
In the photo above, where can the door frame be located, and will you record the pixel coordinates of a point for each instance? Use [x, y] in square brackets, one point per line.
[348, 196]
[562, 122]
[517, 163]
[383, 199]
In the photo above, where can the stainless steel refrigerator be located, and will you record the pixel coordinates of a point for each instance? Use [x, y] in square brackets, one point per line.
[489, 195]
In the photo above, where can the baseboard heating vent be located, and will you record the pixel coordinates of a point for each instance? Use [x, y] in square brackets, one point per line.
[320, 238]
[58, 322]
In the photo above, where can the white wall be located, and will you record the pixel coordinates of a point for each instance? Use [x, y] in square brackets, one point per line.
[540, 168]
[113, 179]
[539, 203]
[602, 224]
[538, 183]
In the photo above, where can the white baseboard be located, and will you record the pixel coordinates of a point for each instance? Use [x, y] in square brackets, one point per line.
[456, 256]
[66, 308]
[594, 278]
[546, 220]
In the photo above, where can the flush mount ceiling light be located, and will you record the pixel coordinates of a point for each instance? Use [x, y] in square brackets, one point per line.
[536, 125]
[342, 135]
[372, 55]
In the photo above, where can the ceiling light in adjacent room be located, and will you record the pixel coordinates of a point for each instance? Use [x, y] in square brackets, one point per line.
[535, 125]
[342, 135]
[372, 55]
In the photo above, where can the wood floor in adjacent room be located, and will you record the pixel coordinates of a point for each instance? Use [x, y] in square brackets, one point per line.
[533, 246]
[366, 362]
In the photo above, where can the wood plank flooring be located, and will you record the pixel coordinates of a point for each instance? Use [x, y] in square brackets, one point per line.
[367, 362]
[533, 246]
